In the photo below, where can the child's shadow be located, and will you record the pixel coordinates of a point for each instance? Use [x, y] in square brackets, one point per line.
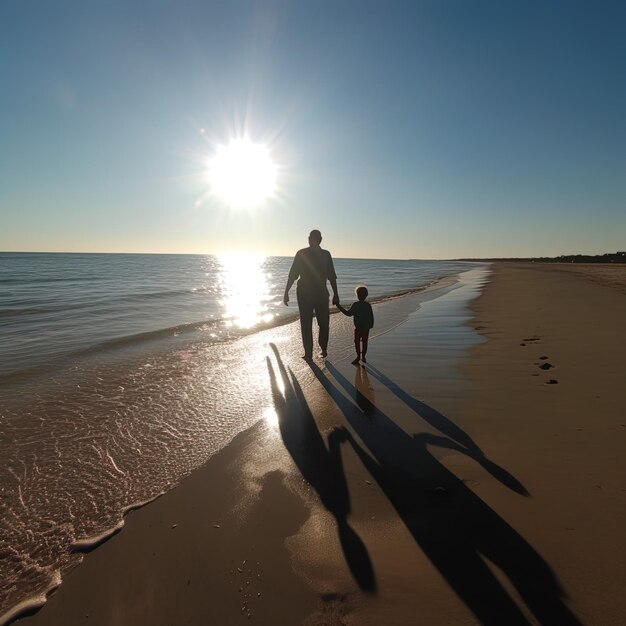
[456, 530]
[320, 466]
[459, 440]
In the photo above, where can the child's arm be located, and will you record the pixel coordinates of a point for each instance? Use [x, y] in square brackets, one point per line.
[371, 317]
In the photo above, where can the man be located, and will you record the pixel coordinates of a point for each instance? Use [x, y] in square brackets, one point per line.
[313, 266]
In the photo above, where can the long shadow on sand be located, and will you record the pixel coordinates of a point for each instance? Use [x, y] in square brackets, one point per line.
[455, 437]
[458, 532]
[320, 466]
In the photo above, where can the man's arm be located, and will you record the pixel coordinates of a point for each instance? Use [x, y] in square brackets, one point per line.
[294, 272]
[332, 277]
[333, 285]
[286, 296]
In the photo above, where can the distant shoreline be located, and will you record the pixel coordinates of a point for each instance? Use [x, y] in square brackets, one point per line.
[610, 257]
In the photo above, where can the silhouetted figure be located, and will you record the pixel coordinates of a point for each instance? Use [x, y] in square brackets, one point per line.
[363, 322]
[313, 266]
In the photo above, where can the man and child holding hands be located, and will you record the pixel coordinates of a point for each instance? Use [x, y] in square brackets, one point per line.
[313, 266]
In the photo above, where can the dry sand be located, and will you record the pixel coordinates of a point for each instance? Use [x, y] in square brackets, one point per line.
[564, 441]
[398, 494]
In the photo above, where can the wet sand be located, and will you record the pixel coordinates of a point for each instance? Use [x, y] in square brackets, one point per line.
[404, 492]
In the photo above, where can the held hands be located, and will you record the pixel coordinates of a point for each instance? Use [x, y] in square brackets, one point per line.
[336, 300]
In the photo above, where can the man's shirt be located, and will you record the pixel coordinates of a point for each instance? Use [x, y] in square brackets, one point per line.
[314, 266]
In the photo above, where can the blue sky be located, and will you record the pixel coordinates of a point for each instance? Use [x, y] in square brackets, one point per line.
[438, 129]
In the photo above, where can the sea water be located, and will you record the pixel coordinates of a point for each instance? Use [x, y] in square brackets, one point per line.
[121, 373]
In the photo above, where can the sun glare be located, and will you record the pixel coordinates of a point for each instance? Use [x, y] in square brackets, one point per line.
[244, 290]
[242, 174]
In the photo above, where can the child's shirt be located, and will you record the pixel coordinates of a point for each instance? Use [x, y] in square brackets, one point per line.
[363, 315]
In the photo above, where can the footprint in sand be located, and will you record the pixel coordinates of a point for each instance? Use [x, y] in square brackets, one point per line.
[546, 366]
[552, 381]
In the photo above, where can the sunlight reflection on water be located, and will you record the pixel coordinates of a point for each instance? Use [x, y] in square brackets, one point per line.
[244, 290]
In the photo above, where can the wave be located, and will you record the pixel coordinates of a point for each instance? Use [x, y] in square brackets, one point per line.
[48, 279]
[126, 341]
[33, 603]
[191, 327]
[90, 543]
[18, 311]
[402, 293]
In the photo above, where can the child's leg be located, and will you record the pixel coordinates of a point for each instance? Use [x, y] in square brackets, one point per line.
[357, 346]
[364, 336]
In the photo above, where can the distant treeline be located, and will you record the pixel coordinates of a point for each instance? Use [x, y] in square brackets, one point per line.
[609, 257]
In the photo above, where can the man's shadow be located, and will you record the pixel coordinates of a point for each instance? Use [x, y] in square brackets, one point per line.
[320, 466]
[458, 532]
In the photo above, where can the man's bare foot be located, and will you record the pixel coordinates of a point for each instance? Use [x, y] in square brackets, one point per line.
[308, 357]
[324, 354]
[356, 361]
[363, 360]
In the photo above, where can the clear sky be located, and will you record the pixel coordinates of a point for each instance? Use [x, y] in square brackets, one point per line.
[408, 129]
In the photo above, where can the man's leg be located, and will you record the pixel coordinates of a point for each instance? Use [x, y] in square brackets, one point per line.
[322, 314]
[305, 306]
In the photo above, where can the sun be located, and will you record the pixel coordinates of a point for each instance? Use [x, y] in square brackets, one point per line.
[242, 174]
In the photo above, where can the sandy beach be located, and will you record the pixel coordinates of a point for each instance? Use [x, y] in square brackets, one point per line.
[469, 477]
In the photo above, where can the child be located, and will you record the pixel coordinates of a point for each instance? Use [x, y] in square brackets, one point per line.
[363, 321]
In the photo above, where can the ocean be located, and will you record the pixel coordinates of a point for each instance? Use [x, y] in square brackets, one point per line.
[122, 373]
